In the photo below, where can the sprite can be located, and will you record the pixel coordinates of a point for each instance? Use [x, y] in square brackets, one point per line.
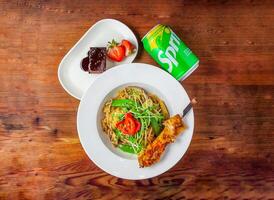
[170, 52]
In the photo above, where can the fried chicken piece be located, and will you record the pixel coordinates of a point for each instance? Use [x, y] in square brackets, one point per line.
[152, 154]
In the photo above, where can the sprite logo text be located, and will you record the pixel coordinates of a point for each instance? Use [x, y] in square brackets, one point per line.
[170, 53]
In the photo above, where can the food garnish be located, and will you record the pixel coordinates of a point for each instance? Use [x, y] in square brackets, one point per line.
[115, 51]
[129, 125]
[129, 47]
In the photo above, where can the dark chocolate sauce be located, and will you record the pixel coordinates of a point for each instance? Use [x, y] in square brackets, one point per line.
[84, 64]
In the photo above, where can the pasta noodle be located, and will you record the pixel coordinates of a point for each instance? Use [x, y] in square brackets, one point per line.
[146, 108]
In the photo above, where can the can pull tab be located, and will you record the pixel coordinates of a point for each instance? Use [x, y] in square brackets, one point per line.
[189, 106]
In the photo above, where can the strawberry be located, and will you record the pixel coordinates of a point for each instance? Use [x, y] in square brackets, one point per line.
[115, 51]
[128, 47]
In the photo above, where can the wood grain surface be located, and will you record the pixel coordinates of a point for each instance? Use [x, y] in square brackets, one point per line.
[231, 154]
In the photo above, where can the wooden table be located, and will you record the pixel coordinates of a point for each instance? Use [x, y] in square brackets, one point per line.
[231, 154]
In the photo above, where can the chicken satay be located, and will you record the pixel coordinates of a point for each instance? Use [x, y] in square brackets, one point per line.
[153, 152]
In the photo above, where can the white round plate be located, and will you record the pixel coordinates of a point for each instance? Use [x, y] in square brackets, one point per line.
[76, 81]
[95, 142]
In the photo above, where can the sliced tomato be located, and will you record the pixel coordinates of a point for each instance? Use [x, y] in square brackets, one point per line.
[138, 125]
[129, 126]
[128, 115]
[120, 125]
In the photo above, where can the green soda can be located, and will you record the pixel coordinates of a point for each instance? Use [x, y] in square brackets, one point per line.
[170, 52]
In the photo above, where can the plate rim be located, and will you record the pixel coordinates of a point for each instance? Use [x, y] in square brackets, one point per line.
[135, 177]
[82, 37]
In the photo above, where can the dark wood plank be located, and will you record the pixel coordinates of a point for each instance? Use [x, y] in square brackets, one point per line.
[231, 154]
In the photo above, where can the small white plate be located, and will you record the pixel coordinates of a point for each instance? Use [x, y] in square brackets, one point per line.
[76, 81]
[95, 142]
